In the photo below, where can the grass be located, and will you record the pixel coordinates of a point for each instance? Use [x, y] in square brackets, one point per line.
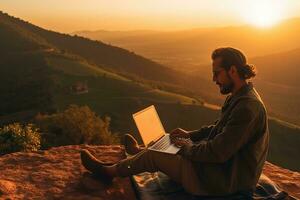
[79, 67]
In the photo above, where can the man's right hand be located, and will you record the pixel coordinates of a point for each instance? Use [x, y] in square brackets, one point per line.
[179, 133]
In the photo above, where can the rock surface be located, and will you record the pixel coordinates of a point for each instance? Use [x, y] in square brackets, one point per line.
[287, 180]
[57, 173]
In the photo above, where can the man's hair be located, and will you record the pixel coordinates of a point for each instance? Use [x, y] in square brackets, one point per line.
[231, 56]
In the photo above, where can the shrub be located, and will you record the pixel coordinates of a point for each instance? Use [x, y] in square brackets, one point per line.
[16, 137]
[75, 125]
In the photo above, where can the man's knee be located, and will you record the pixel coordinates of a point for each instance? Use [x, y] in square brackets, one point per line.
[149, 155]
[155, 154]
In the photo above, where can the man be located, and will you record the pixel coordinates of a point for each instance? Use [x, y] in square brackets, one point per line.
[224, 158]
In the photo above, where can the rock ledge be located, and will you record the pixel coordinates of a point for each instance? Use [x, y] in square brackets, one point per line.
[57, 173]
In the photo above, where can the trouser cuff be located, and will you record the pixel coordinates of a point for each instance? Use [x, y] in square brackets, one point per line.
[124, 168]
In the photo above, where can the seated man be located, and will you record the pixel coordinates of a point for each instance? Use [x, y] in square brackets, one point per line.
[224, 158]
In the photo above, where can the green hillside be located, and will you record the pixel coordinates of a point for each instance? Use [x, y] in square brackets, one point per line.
[97, 52]
[114, 59]
[37, 74]
[108, 93]
[37, 42]
[25, 83]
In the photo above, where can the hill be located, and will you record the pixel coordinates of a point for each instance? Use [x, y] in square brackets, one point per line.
[187, 49]
[102, 54]
[275, 51]
[280, 68]
[23, 72]
[109, 93]
[277, 82]
[39, 68]
[58, 173]
[115, 59]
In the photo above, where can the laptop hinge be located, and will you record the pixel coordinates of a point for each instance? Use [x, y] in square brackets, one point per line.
[153, 141]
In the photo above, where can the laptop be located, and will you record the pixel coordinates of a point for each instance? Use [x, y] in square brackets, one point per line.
[152, 131]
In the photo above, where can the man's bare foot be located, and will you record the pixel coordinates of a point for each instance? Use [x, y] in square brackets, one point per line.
[131, 145]
[104, 171]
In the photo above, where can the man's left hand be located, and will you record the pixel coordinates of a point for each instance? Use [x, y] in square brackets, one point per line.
[179, 142]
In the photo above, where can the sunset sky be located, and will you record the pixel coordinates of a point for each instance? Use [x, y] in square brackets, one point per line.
[74, 15]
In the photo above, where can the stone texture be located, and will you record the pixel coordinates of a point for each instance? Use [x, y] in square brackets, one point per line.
[7, 187]
[58, 174]
[288, 180]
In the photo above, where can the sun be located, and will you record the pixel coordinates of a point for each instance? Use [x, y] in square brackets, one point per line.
[264, 13]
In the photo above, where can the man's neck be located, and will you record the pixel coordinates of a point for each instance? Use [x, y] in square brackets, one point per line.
[238, 86]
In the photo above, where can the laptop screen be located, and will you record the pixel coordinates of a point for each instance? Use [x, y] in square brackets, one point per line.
[149, 124]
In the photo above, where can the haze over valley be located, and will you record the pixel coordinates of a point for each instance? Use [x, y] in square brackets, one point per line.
[274, 51]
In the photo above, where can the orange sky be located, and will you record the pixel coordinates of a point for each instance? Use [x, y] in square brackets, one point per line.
[74, 15]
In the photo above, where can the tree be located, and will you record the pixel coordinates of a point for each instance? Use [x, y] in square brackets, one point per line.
[75, 125]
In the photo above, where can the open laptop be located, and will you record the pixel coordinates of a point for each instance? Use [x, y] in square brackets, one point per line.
[152, 131]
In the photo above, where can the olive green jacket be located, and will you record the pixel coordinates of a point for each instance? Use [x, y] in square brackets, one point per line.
[229, 155]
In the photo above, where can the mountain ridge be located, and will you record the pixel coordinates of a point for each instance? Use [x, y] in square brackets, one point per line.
[274, 50]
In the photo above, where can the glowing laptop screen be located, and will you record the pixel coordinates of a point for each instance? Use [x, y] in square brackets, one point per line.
[149, 124]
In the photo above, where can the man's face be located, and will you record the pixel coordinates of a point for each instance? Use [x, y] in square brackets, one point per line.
[221, 77]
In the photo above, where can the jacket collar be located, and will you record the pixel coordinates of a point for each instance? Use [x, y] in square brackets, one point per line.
[242, 91]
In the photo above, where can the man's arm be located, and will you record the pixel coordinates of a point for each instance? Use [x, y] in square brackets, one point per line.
[195, 135]
[239, 128]
[202, 133]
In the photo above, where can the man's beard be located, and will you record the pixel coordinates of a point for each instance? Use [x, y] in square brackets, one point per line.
[227, 88]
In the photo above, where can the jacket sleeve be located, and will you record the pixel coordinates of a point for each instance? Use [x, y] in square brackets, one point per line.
[239, 128]
[202, 133]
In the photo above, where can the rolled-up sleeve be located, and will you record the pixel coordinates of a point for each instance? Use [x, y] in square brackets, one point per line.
[239, 128]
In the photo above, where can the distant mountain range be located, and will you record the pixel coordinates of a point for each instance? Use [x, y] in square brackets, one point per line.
[189, 48]
[275, 51]
[281, 68]
[39, 68]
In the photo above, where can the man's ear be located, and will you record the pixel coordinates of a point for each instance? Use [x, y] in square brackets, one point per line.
[233, 70]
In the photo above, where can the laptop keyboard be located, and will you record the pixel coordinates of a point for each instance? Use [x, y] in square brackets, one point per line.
[162, 144]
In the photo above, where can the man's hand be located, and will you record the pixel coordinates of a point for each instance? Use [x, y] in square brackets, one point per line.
[179, 142]
[179, 133]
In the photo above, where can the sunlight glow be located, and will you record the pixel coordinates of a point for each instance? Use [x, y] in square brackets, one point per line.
[264, 13]
[64, 16]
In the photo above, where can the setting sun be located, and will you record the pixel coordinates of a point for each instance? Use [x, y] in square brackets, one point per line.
[264, 13]
[150, 14]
